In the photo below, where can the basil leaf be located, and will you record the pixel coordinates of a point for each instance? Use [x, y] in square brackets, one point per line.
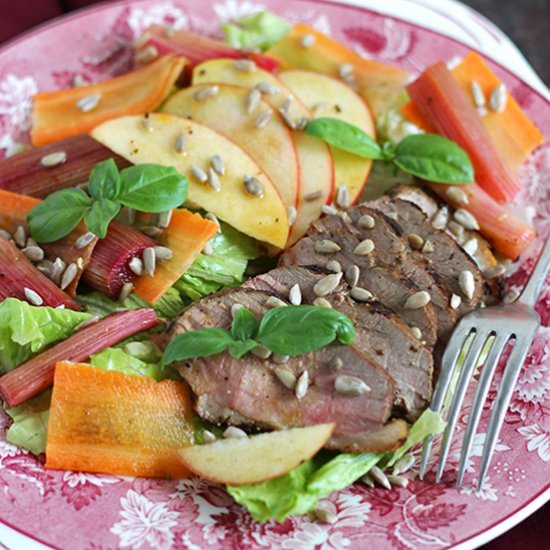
[152, 188]
[203, 342]
[58, 215]
[100, 216]
[244, 325]
[343, 135]
[104, 181]
[240, 348]
[434, 158]
[294, 330]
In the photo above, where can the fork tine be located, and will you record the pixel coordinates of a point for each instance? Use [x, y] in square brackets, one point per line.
[465, 376]
[504, 394]
[479, 399]
[448, 361]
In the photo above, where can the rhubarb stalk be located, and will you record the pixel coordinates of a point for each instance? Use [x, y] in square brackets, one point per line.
[37, 374]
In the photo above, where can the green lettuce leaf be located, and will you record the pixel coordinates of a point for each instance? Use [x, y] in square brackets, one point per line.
[259, 31]
[119, 360]
[224, 268]
[25, 330]
[30, 423]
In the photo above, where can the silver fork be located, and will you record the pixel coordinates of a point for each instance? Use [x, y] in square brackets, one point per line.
[495, 327]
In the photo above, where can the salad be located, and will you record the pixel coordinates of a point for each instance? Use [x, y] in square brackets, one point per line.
[242, 259]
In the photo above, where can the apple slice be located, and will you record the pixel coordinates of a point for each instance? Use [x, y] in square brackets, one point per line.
[257, 458]
[263, 218]
[316, 173]
[327, 97]
[271, 146]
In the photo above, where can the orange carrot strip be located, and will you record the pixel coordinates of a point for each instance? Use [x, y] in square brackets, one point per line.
[186, 236]
[508, 234]
[115, 423]
[56, 115]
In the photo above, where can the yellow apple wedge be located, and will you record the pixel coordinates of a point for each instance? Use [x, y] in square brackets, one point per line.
[257, 458]
[271, 146]
[263, 218]
[328, 97]
[314, 157]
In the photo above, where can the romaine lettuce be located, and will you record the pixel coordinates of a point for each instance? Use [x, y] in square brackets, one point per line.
[258, 31]
[26, 330]
[118, 360]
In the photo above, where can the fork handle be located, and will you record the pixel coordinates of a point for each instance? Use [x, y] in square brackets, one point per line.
[534, 285]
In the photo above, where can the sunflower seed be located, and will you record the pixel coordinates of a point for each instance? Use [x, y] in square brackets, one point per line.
[125, 291]
[30, 242]
[428, 247]
[511, 296]
[151, 230]
[302, 385]
[392, 215]
[368, 481]
[214, 181]
[471, 246]
[53, 159]
[323, 287]
[336, 363]
[416, 242]
[56, 271]
[441, 218]
[80, 263]
[149, 259]
[352, 275]
[234, 433]
[261, 351]
[217, 164]
[301, 123]
[418, 300]
[208, 437]
[291, 213]
[88, 103]
[329, 210]
[307, 40]
[417, 333]
[498, 98]
[455, 301]
[68, 276]
[6, 235]
[482, 111]
[466, 219]
[324, 515]
[253, 186]
[322, 302]
[366, 221]
[34, 253]
[467, 283]
[350, 385]
[295, 295]
[208, 249]
[263, 119]
[326, 246]
[84, 240]
[206, 92]
[455, 194]
[148, 123]
[163, 253]
[136, 266]
[379, 477]
[345, 70]
[33, 297]
[456, 229]
[180, 143]
[477, 94]
[267, 88]
[315, 195]
[147, 54]
[287, 119]
[334, 265]
[244, 65]
[79, 81]
[252, 101]
[364, 248]
[212, 218]
[360, 294]
[91, 321]
[285, 105]
[273, 301]
[495, 271]
[20, 236]
[199, 174]
[286, 377]
[234, 309]
[404, 464]
[280, 359]
[45, 267]
[342, 196]
[397, 481]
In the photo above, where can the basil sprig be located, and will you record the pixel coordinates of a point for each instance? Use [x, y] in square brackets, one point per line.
[145, 187]
[289, 330]
[427, 156]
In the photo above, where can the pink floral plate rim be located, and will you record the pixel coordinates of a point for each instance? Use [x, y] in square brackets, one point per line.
[101, 512]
